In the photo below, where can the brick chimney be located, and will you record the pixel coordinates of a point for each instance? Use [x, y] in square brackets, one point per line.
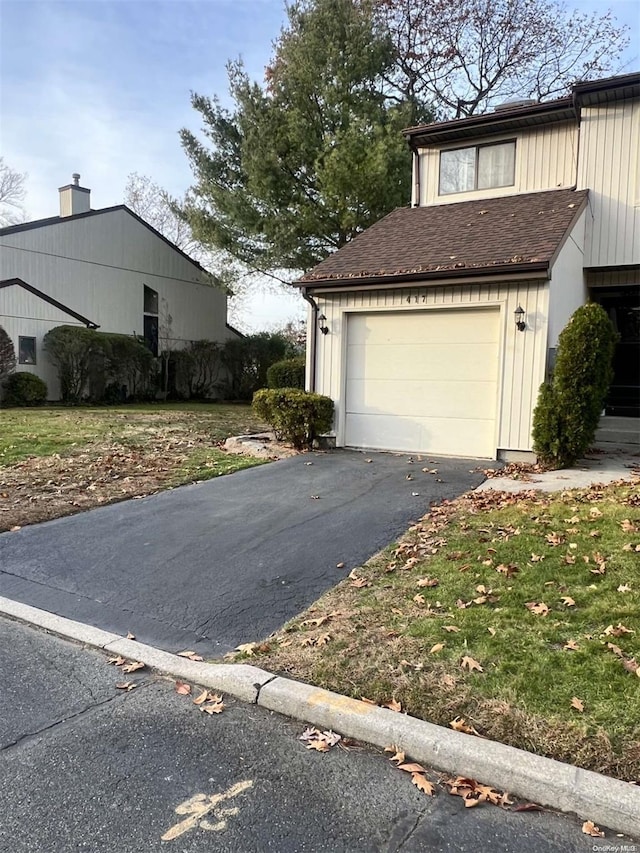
[74, 198]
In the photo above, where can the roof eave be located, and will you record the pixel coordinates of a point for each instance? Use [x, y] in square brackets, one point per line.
[537, 269]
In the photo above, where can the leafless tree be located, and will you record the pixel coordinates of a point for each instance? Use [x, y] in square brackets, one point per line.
[12, 195]
[467, 55]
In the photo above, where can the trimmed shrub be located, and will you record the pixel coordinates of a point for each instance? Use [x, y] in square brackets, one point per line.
[7, 355]
[569, 406]
[24, 389]
[288, 373]
[296, 416]
[70, 349]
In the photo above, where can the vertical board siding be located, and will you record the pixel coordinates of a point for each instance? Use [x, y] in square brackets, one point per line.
[610, 169]
[98, 266]
[546, 159]
[522, 354]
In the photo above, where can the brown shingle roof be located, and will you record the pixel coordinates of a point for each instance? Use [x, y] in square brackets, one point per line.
[511, 233]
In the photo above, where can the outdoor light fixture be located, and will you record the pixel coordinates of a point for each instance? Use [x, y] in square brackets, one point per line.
[322, 324]
[519, 317]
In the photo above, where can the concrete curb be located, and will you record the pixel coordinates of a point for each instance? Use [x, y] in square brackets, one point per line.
[606, 801]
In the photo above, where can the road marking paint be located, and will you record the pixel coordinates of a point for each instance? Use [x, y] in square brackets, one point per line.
[200, 805]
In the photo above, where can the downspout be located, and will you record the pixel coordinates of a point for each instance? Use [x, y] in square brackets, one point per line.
[313, 338]
[416, 170]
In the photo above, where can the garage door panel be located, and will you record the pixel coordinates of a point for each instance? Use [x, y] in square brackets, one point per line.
[409, 327]
[390, 432]
[419, 399]
[451, 362]
[423, 381]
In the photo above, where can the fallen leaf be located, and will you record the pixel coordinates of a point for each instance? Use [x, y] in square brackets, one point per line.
[470, 664]
[624, 588]
[246, 648]
[126, 685]
[182, 688]
[393, 705]
[117, 661]
[323, 639]
[339, 565]
[201, 698]
[528, 807]
[492, 631]
[319, 745]
[131, 636]
[508, 570]
[359, 583]
[422, 784]
[459, 724]
[419, 599]
[399, 755]
[132, 667]
[213, 707]
[451, 629]
[628, 526]
[15, 528]
[428, 582]
[411, 767]
[537, 558]
[594, 512]
[568, 601]
[589, 828]
[314, 622]
[631, 666]
[615, 649]
[537, 607]
[571, 646]
[437, 648]
[578, 704]
[396, 611]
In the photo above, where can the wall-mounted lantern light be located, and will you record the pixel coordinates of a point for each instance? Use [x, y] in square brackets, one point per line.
[322, 324]
[519, 317]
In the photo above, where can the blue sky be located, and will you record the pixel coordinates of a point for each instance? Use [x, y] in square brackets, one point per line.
[102, 87]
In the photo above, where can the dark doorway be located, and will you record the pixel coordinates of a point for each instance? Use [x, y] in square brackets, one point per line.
[623, 307]
[151, 333]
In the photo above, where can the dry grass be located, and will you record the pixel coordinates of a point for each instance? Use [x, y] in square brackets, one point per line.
[58, 461]
[376, 638]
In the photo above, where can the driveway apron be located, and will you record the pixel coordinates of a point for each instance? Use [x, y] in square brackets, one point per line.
[227, 561]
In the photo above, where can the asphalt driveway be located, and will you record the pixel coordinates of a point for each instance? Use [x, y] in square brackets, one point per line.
[227, 561]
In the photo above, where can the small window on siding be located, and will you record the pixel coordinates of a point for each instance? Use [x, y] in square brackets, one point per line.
[150, 300]
[478, 167]
[26, 350]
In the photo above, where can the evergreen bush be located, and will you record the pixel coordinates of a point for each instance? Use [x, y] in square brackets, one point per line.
[569, 406]
[296, 416]
[24, 389]
[288, 373]
[7, 355]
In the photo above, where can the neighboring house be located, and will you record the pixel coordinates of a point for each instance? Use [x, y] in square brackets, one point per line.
[104, 269]
[534, 207]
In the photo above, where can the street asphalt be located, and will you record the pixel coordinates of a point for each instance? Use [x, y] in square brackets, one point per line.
[219, 563]
[85, 766]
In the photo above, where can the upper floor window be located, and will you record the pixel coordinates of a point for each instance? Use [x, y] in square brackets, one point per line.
[478, 167]
[150, 300]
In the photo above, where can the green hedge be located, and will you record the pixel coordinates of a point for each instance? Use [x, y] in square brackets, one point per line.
[569, 406]
[24, 389]
[288, 373]
[296, 416]
[99, 366]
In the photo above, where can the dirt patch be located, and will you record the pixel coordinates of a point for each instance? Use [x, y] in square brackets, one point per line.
[144, 459]
[262, 445]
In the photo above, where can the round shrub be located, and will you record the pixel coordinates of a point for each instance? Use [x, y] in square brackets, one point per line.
[568, 412]
[288, 373]
[296, 416]
[24, 389]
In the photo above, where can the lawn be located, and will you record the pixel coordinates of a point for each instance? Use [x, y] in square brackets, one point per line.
[515, 617]
[56, 461]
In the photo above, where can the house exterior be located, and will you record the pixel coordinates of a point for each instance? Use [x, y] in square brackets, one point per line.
[433, 330]
[105, 269]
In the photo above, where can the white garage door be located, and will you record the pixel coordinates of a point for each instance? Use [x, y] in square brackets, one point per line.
[423, 381]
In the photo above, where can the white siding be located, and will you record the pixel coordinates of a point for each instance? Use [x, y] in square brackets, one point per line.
[546, 159]
[610, 169]
[567, 288]
[25, 314]
[98, 266]
[522, 355]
